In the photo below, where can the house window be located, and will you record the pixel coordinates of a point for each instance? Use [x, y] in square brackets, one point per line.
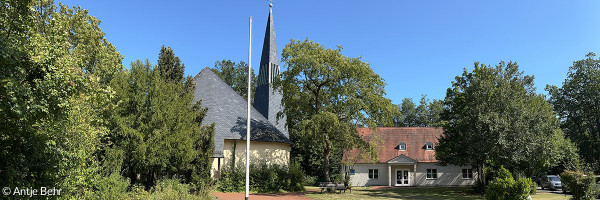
[467, 173]
[351, 171]
[432, 174]
[402, 146]
[429, 146]
[373, 173]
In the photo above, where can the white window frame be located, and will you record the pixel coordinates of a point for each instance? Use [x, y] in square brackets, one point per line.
[402, 146]
[429, 146]
[373, 173]
[430, 174]
[469, 174]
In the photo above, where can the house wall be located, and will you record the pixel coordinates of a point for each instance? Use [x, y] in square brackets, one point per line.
[361, 175]
[447, 175]
[270, 153]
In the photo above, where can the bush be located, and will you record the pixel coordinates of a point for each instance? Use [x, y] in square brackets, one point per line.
[504, 187]
[112, 187]
[232, 180]
[533, 187]
[580, 184]
[164, 190]
[310, 180]
[296, 177]
[268, 178]
[263, 178]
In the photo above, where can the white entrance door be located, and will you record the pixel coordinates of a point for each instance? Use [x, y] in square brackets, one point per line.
[402, 177]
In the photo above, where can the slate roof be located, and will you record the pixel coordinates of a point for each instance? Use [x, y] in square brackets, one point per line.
[228, 111]
[414, 137]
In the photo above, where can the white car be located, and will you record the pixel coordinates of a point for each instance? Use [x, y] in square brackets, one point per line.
[551, 182]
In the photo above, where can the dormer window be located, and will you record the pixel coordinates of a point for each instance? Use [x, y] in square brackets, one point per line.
[402, 146]
[428, 146]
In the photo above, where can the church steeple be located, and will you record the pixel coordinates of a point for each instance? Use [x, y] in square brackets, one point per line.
[267, 100]
[269, 61]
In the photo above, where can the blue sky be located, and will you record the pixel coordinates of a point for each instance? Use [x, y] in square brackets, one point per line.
[418, 47]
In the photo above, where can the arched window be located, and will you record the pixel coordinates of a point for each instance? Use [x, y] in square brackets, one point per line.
[429, 146]
[402, 146]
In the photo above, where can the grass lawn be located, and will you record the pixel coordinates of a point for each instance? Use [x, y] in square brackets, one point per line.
[451, 193]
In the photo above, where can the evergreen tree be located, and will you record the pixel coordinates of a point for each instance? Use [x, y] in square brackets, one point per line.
[170, 66]
[158, 128]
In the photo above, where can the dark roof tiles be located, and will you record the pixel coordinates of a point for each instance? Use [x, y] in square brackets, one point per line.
[228, 111]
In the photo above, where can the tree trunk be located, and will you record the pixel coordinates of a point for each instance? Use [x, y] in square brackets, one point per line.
[481, 174]
[326, 163]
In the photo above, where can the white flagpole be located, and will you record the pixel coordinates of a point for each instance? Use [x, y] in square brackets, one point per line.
[248, 121]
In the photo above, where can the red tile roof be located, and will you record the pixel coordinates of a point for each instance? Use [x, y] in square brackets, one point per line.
[388, 139]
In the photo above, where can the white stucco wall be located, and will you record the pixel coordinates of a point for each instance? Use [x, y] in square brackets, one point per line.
[447, 175]
[270, 153]
[361, 175]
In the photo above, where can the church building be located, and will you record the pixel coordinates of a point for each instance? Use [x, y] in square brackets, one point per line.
[269, 138]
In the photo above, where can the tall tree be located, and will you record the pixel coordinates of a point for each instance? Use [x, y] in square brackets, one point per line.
[408, 116]
[322, 86]
[493, 117]
[435, 109]
[170, 66]
[160, 136]
[54, 63]
[577, 103]
[236, 76]
[426, 114]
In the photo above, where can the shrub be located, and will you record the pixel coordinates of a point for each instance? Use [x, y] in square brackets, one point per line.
[296, 177]
[263, 178]
[232, 179]
[533, 187]
[310, 180]
[579, 183]
[268, 178]
[164, 190]
[504, 187]
[112, 187]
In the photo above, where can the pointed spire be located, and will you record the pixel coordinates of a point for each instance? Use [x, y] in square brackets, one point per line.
[266, 99]
[269, 61]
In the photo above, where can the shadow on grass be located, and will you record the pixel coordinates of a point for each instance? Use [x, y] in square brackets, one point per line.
[451, 193]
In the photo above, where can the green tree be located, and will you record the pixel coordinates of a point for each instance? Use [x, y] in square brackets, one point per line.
[426, 114]
[55, 62]
[322, 86]
[435, 108]
[408, 116]
[161, 136]
[236, 76]
[577, 103]
[170, 66]
[493, 117]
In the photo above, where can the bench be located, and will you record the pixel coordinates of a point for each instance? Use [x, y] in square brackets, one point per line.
[333, 187]
[341, 187]
[326, 185]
